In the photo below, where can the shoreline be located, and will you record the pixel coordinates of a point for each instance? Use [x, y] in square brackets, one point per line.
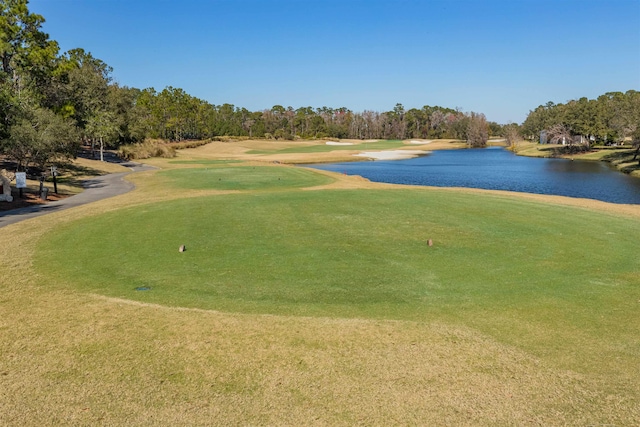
[392, 154]
[622, 162]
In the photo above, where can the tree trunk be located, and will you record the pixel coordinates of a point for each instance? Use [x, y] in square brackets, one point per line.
[101, 150]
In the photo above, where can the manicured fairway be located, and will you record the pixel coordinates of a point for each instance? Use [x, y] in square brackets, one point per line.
[322, 148]
[243, 178]
[535, 275]
[202, 162]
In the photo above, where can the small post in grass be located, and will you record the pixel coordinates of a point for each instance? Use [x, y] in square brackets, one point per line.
[21, 181]
[54, 173]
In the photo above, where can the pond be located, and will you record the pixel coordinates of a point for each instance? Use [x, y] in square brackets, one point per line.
[495, 168]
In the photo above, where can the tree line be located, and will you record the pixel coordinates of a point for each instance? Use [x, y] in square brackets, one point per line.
[51, 103]
[611, 118]
[175, 115]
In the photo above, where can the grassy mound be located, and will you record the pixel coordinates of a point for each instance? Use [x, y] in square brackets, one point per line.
[202, 162]
[531, 275]
[323, 148]
[243, 178]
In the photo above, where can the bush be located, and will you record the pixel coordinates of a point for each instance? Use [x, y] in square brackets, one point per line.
[227, 138]
[189, 144]
[148, 148]
[571, 149]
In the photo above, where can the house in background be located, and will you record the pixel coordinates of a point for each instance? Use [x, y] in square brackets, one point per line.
[565, 139]
[543, 137]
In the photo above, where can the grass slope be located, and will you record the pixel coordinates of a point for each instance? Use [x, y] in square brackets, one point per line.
[322, 148]
[334, 309]
[537, 278]
[243, 178]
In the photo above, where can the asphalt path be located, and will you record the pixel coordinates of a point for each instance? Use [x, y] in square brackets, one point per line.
[95, 189]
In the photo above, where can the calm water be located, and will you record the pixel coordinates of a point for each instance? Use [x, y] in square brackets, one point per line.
[498, 169]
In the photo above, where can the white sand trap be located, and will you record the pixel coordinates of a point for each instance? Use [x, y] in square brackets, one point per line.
[391, 154]
[420, 142]
[338, 143]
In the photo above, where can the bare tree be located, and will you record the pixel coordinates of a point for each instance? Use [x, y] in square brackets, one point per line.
[512, 136]
[437, 119]
[477, 130]
[357, 127]
[373, 125]
[560, 134]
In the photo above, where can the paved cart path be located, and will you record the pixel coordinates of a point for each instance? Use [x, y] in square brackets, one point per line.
[95, 189]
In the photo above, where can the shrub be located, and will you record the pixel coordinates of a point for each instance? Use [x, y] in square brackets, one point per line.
[189, 143]
[148, 148]
[227, 138]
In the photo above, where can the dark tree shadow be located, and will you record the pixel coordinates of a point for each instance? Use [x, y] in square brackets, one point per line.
[624, 160]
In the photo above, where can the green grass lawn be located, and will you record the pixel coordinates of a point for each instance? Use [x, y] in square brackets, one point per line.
[561, 282]
[243, 178]
[202, 162]
[323, 148]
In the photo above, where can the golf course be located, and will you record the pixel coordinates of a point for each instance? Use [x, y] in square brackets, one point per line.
[306, 297]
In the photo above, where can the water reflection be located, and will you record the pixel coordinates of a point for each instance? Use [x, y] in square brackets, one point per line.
[498, 169]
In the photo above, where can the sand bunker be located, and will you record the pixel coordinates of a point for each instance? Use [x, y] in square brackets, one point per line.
[338, 143]
[391, 154]
[420, 142]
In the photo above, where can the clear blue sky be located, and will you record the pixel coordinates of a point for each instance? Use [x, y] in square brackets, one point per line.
[501, 58]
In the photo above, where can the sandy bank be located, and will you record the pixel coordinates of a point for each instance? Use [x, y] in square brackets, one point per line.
[391, 154]
[338, 143]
